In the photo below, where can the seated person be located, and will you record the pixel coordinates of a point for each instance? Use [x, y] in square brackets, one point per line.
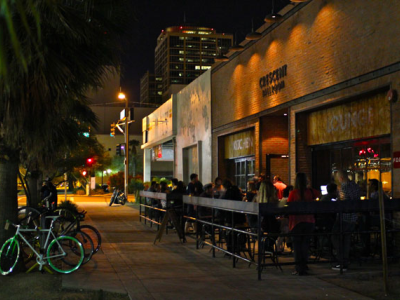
[324, 222]
[332, 193]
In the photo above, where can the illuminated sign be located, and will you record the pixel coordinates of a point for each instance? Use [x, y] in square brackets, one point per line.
[239, 144]
[367, 117]
[272, 83]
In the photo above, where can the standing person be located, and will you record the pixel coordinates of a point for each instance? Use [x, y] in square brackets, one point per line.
[174, 183]
[301, 224]
[280, 186]
[193, 189]
[49, 191]
[261, 179]
[177, 193]
[218, 188]
[191, 185]
[251, 191]
[232, 192]
[349, 191]
[266, 193]
[164, 187]
[251, 196]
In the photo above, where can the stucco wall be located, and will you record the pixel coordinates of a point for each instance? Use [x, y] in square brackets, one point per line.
[194, 124]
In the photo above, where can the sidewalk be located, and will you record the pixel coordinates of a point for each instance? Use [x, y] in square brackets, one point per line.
[129, 263]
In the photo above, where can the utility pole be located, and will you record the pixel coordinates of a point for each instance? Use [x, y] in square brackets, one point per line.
[122, 96]
[127, 119]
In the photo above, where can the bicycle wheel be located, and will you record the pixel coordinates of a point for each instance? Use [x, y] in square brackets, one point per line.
[65, 254]
[113, 197]
[9, 254]
[94, 235]
[65, 223]
[87, 245]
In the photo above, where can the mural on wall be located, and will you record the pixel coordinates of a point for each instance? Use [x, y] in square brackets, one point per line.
[159, 124]
[194, 123]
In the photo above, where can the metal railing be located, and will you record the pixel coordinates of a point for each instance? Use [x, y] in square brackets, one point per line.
[160, 201]
[294, 208]
[154, 205]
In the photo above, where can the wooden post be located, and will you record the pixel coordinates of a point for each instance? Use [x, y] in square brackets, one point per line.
[383, 239]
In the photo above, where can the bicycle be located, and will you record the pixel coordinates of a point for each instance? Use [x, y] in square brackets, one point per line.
[70, 223]
[67, 224]
[64, 254]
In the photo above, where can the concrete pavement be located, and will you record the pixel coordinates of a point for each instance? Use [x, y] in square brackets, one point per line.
[129, 263]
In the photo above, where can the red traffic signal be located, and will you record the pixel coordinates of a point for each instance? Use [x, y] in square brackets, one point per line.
[90, 161]
[84, 172]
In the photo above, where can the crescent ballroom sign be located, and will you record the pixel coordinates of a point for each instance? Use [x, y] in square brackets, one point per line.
[272, 83]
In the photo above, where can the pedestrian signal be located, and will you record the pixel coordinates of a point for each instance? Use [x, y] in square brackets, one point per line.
[118, 150]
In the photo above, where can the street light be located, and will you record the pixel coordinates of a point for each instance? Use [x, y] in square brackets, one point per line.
[121, 96]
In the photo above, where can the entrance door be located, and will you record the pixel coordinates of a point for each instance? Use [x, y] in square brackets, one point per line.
[277, 164]
[190, 163]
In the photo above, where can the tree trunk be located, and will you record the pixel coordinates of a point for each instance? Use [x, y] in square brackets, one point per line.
[70, 182]
[33, 183]
[8, 195]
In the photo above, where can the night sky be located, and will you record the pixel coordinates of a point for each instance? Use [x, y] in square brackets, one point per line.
[149, 17]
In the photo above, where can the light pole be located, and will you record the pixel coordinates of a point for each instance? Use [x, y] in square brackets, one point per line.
[121, 96]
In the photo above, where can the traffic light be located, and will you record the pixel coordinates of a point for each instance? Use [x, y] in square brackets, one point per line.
[84, 173]
[89, 161]
[118, 150]
[112, 133]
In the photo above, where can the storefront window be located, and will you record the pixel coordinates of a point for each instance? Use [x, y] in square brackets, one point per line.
[363, 160]
[244, 171]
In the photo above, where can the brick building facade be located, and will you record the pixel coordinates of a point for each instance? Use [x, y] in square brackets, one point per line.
[312, 96]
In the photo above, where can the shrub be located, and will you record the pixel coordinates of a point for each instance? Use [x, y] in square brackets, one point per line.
[97, 191]
[117, 180]
[80, 192]
[68, 205]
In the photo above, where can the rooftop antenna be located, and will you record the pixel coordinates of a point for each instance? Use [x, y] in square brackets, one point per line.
[184, 17]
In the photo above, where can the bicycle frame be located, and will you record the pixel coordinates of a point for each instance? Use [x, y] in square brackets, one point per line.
[40, 258]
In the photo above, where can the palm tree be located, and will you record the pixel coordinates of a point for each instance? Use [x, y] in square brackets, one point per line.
[65, 47]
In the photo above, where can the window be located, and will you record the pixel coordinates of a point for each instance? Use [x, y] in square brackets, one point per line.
[208, 39]
[362, 160]
[244, 171]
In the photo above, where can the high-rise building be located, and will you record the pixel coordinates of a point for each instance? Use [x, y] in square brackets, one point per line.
[151, 89]
[184, 52]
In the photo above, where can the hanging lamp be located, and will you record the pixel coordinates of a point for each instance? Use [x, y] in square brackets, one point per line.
[253, 35]
[220, 57]
[236, 47]
[273, 17]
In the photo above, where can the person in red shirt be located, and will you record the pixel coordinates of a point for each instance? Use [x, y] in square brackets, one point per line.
[301, 224]
[280, 186]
